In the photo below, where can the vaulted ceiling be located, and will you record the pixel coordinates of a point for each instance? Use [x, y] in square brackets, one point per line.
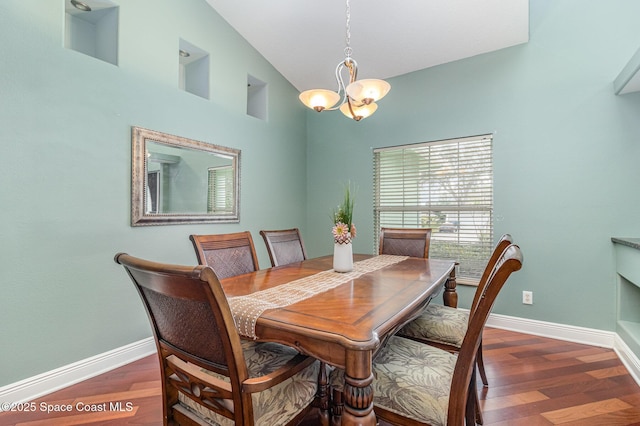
[305, 39]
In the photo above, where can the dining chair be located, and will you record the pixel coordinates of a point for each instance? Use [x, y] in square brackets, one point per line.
[228, 254]
[418, 384]
[444, 326]
[284, 246]
[412, 242]
[210, 376]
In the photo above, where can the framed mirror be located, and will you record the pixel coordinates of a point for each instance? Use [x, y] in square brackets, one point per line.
[175, 180]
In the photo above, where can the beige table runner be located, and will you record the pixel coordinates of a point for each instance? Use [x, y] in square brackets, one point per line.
[247, 309]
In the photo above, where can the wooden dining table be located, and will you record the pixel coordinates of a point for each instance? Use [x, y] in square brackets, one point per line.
[346, 323]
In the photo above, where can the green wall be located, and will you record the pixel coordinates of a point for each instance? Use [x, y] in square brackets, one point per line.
[566, 152]
[65, 121]
[566, 156]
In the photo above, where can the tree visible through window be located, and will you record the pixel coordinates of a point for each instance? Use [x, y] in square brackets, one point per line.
[445, 185]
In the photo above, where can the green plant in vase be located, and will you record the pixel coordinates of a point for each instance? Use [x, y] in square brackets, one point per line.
[343, 228]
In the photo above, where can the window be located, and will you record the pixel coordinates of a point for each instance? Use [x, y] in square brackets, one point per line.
[220, 196]
[153, 191]
[445, 185]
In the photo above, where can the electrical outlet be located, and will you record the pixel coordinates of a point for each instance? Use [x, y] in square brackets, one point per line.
[527, 298]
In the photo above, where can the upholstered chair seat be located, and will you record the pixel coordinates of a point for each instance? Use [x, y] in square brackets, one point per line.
[418, 384]
[439, 324]
[411, 379]
[444, 326]
[274, 406]
[210, 376]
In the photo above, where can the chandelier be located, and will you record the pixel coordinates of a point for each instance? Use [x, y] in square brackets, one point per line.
[358, 97]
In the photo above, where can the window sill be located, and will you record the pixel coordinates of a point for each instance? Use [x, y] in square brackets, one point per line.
[467, 281]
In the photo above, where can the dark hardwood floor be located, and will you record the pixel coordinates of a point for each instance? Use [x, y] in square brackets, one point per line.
[538, 381]
[533, 381]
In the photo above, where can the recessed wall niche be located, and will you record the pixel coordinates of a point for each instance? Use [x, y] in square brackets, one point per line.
[193, 69]
[91, 27]
[256, 98]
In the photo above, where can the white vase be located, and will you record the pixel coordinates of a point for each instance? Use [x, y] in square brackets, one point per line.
[342, 257]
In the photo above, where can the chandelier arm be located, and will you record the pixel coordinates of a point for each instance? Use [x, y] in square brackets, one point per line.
[342, 89]
[351, 63]
[353, 114]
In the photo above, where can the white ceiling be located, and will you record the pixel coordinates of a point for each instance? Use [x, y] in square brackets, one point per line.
[305, 39]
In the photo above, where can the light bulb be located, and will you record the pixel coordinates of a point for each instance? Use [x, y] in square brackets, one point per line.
[359, 112]
[368, 90]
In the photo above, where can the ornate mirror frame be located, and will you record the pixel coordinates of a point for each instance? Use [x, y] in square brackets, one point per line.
[141, 214]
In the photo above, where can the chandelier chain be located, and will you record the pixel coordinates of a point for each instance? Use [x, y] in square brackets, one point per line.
[348, 50]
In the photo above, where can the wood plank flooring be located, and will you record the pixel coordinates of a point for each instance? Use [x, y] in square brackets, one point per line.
[537, 381]
[533, 381]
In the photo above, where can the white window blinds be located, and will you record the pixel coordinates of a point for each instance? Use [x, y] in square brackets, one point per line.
[220, 192]
[444, 185]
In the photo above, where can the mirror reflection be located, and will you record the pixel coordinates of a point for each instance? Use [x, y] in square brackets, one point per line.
[179, 180]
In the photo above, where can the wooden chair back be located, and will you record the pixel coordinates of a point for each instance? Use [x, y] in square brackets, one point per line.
[502, 244]
[461, 405]
[284, 246]
[412, 242]
[192, 324]
[228, 254]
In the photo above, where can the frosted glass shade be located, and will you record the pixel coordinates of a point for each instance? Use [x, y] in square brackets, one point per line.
[360, 112]
[319, 99]
[368, 90]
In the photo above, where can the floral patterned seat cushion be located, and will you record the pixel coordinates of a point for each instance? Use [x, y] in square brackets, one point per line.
[274, 406]
[438, 323]
[411, 379]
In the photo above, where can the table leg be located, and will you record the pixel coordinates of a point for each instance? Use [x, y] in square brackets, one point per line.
[450, 296]
[358, 390]
[322, 395]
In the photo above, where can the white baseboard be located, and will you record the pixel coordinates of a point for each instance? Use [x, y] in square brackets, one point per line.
[628, 358]
[43, 384]
[51, 381]
[569, 333]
